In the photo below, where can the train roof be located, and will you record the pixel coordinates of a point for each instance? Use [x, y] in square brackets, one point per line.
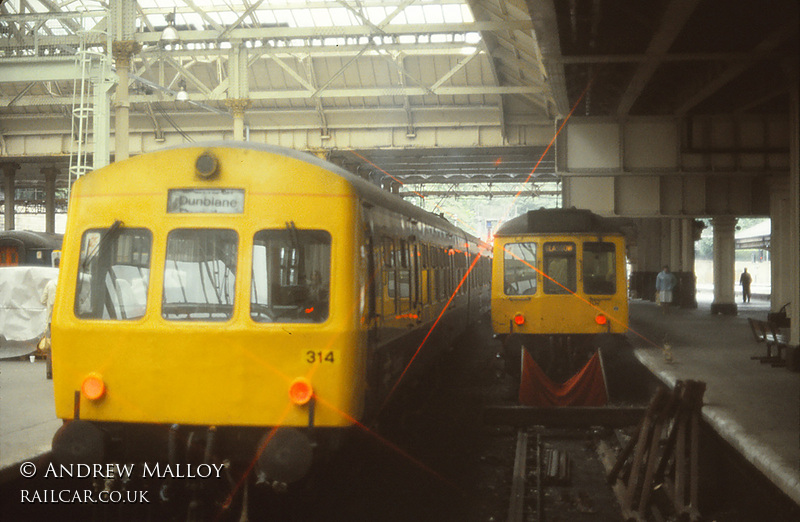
[369, 192]
[558, 220]
[31, 239]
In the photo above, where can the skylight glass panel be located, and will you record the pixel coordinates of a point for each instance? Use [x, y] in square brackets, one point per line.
[414, 14]
[193, 20]
[268, 17]
[149, 4]
[340, 16]
[303, 18]
[451, 14]
[466, 14]
[376, 15]
[285, 18]
[433, 14]
[321, 17]
[228, 17]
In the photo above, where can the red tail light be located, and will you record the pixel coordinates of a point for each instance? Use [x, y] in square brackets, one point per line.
[93, 387]
[600, 319]
[519, 319]
[300, 391]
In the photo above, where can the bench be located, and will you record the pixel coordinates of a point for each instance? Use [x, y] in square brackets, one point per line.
[768, 333]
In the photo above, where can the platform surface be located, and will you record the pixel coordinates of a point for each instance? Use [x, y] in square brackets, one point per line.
[753, 406]
[27, 411]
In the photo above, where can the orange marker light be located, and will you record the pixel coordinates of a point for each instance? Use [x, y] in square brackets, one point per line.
[300, 391]
[519, 319]
[600, 319]
[93, 387]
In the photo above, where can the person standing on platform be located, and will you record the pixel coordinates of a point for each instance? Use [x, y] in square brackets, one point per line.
[745, 279]
[665, 284]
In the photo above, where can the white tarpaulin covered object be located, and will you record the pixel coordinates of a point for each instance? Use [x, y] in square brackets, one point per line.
[23, 316]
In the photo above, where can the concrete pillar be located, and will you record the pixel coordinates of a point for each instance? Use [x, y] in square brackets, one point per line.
[794, 197]
[649, 262]
[724, 270]
[687, 278]
[664, 243]
[238, 107]
[122, 51]
[50, 174]
[9, 176]
[687, 244]
[779, 247]
[675, 249]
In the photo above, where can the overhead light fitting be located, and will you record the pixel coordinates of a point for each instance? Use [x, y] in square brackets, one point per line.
[182, 94]
[170, 34]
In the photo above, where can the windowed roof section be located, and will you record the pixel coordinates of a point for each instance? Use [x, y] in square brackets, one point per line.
[215, 15]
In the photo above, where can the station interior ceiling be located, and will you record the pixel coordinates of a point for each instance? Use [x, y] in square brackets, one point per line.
[386, 88]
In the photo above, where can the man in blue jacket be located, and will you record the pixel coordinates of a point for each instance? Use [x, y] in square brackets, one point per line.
[665, 284]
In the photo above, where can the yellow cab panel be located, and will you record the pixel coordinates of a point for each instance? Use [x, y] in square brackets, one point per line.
[164, 294]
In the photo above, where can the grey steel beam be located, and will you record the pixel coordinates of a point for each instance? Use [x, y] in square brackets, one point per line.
[289, 94]
[776, 38]
[41, 69]
[675, 17]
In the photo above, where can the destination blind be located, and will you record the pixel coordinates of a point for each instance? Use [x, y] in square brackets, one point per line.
[205, 201]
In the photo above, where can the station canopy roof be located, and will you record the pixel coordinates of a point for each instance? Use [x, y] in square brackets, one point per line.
[419, 70]
[316, 64]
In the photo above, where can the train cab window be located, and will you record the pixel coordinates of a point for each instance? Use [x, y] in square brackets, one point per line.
[599, 269]
[519, 268]
[113, 273]
[291, 276]
[559, 268]
[199, 275]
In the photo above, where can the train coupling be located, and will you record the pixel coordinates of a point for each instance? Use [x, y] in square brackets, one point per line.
[285, 457]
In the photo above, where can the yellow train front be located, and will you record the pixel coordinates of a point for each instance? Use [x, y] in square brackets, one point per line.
[559, 288]
[241, 304]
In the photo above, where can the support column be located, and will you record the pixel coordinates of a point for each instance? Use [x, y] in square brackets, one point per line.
[50, 174]
[779, 247]
[238, 107]
[724, 270]
[687, 277]
[794, 198]
[122, 51]
[9, 185]
[675, 250]
[649, 249]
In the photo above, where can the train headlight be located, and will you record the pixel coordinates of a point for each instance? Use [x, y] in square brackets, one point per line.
[600, 319]
[300, 391]
[93, 387]
[206, 166]
[519, 319]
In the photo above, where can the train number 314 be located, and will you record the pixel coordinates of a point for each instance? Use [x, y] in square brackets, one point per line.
[313, 357]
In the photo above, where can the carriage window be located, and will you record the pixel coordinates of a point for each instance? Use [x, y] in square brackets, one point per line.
[559, 267]
[599, 274]
[114, 273]
[519, 272]
[291, 276]
[199, 275]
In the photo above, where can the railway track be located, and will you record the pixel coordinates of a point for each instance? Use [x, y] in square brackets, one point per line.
[557, 474]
